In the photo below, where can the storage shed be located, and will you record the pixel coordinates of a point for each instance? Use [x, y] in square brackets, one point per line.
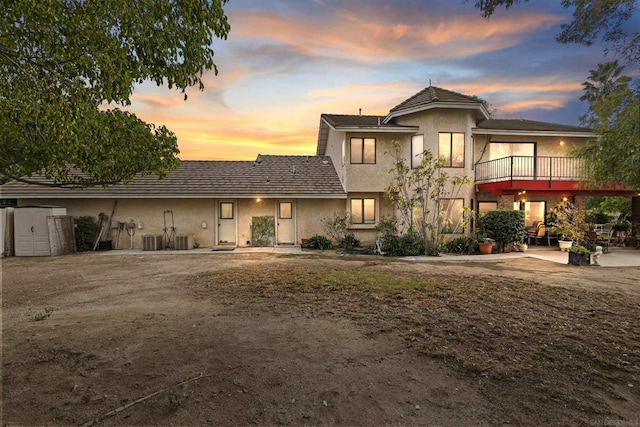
[42, 231]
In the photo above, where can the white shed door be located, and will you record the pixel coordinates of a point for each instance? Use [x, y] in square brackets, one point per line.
[31, 232]
[286, 223]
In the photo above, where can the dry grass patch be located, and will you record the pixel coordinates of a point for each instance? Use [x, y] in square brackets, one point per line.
[540, 354]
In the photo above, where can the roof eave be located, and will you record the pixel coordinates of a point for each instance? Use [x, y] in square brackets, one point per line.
[433, 105]
[380, 129]
[566, 134]
[177, 196]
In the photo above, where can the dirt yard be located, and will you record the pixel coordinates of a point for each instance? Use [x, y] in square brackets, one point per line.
[237, 339]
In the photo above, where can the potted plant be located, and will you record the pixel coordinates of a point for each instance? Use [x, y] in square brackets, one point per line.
[485, 244]
[579, 255]
[504, 226]
[522, 246]
[569, 224]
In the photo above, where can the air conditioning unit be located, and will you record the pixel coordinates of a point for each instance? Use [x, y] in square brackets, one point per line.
[148, 242]
[151, 242]
[182, 242]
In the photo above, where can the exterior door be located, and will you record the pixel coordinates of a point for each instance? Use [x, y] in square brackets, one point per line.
[227, 216]
[31, 232]
[286, 229]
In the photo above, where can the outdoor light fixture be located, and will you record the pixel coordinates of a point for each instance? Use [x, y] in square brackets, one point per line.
[258, 200]
[561, 143]
[140, 225]
[204, 224]
[564, 199]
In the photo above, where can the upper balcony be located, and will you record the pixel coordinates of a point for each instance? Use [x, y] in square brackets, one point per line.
[541, 174]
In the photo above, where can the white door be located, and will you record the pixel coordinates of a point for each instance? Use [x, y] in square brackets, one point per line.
[227, 223]
[286, 222]
[31, 232]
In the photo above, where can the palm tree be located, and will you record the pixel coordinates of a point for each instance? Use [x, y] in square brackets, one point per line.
[605, 83]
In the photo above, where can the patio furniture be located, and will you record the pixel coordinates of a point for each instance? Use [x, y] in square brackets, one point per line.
[537, 235]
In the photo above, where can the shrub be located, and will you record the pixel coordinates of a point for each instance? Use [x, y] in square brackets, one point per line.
[85, 229]
[462, 245]
[349, 241]
[319, 242]
[409, 244]
[503, 226]
[336, 227]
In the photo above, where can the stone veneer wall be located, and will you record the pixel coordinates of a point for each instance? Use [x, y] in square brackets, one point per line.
[505, 202]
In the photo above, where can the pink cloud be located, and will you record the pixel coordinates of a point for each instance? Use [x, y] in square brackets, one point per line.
[377, 39]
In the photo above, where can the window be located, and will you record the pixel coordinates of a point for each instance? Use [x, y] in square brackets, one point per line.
[363, 150]
[452, 211]
[363, 211]
[484, 207]
[451, 148]
[284, 210]
[226, 210]
[417, 148]
[534, 212]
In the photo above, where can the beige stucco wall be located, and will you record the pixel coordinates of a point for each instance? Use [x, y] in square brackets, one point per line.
[372, 177]
[335, 140]
[189, 214]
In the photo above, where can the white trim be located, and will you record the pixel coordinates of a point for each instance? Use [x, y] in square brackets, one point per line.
[478, 131]
[165, 196]
[432, 105]
[386, 129]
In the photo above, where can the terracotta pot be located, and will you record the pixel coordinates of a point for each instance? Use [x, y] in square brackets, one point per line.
[522, 247]
[485, 248]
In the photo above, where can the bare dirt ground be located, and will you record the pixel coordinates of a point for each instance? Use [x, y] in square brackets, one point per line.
[317, 339]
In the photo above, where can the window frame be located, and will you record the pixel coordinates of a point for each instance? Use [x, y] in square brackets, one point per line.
[462, 230]
[449, 163]
[361, 140]
[222, 210]
[362, 207]
[414, 154]
[280, 216]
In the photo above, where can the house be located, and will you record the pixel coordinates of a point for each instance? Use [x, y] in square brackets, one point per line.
[211, 202]
[515, 164]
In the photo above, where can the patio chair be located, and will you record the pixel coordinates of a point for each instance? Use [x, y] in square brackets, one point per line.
[551, 237]
[538, 235]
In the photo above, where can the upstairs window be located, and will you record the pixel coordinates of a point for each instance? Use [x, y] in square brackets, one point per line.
[363, 211]
[451, 149]
[417, 148]
[363, 150]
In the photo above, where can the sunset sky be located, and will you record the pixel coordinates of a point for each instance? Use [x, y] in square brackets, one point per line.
[287, 61]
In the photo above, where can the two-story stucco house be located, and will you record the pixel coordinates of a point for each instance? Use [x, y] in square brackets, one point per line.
[514, 164]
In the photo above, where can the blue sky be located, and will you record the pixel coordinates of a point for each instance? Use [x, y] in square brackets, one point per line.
[287, 61]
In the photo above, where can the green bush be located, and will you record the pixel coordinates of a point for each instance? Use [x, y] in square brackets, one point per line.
[409, 244]
[503, 226]
[461, 245]
[349, 241]
[319, 242]
[85, 229]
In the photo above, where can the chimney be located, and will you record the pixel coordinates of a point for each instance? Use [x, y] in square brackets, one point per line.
[359, 111]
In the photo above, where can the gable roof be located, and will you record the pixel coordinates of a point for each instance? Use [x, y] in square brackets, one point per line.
[435, 97]
[355, 123]
[267, 176]
[529, 127]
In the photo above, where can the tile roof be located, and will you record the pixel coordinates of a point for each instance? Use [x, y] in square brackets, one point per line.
[528, 125]
[431, 95]
[337, 120]
[358, 123]
[290, 176]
